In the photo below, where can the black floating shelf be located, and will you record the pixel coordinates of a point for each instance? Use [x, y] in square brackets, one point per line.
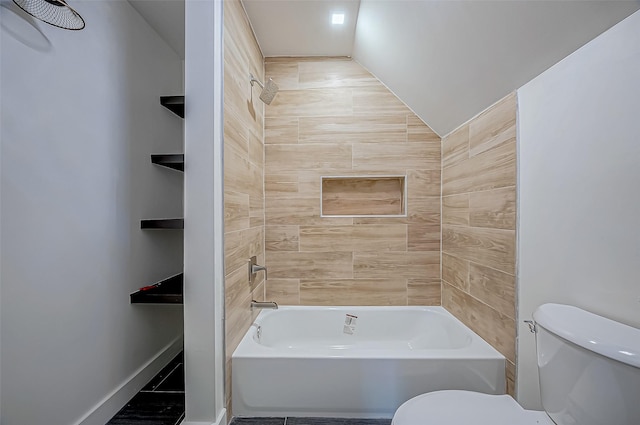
[174, 161]
[163, 223]
[173, 103]
[168, 291]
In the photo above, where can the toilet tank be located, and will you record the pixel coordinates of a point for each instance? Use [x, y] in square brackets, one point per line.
[589, 367]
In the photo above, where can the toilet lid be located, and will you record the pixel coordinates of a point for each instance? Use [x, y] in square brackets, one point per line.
[466, 408]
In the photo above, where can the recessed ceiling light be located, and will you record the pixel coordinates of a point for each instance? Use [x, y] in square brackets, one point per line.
[337, 19]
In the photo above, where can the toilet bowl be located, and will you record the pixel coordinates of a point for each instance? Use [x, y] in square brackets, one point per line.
[589, 369]
[466, 408]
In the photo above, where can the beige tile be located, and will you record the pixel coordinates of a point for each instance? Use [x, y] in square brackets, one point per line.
[495, 126]
[493, 208]
[238, 320]
[424, 210]
[243, 175]
[236, 251]
[353, 292]
[423, 292]
[310, 265]
[510, 373]
[455, 146]
[302, 157]
[494, 288]
[284, 74]
[294, 184]
[396, 159]
[256, 150]
[423, 237]
[377, 100]
[237, 24]
[491, 169]
[410, 265]
[237, 97]
[240, 175]
[281, 238]
[363, 196]
[240, 245]
[283, 291]
[497, 329]
[491, 247]
[236, 134]
[365, 237]
[349, 129]
[418, 131]
[236, 287]
[258, 294]
[309, 181]
[455, 271]
[300, 59]
[298, 211]
[281, 130]
[256, 211]
[309, 103]
[334, 73]
[381, 220]
[236, 211]
[254, 239]
[281, 184]
[455, 209]
[256, 221]
[423, 183]
[227, 381]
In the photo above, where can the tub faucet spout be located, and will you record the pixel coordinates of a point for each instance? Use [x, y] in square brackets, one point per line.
[264, 304]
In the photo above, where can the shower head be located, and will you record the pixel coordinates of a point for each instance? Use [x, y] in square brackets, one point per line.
[269, 90]
[54, 12]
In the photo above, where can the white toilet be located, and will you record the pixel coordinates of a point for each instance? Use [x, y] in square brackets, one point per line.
[589, 369]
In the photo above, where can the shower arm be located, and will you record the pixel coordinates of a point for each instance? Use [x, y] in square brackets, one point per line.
[255, 80]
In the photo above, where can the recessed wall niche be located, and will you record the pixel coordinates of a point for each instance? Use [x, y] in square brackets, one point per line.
[363, 196]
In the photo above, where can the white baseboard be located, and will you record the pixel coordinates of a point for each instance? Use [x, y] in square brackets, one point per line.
[222, 420]
[113, 402]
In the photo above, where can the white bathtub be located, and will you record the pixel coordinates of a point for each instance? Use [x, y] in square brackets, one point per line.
[306, 363]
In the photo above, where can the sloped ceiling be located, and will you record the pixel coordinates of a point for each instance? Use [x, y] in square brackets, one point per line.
[450, 60]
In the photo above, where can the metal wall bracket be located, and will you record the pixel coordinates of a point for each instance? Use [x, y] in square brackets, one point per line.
[532, 326]
[255, 268]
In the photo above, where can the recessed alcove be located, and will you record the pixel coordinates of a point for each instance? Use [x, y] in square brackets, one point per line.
[363, 196]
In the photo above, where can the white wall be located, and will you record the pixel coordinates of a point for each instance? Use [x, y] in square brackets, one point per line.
[450, 60]
[80, 116]
[204, 215]
[579, 156]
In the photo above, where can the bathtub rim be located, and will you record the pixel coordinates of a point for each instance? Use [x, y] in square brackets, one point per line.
[478, 349]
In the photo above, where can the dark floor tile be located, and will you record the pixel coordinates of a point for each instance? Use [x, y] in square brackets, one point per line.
[257, 421]
[151, 409]
[336, 421]
[173, 382]
[155, 382]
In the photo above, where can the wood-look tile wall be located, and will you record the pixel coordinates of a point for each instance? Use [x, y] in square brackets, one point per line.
[478, 227]
[243, 176]
[332, 118]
